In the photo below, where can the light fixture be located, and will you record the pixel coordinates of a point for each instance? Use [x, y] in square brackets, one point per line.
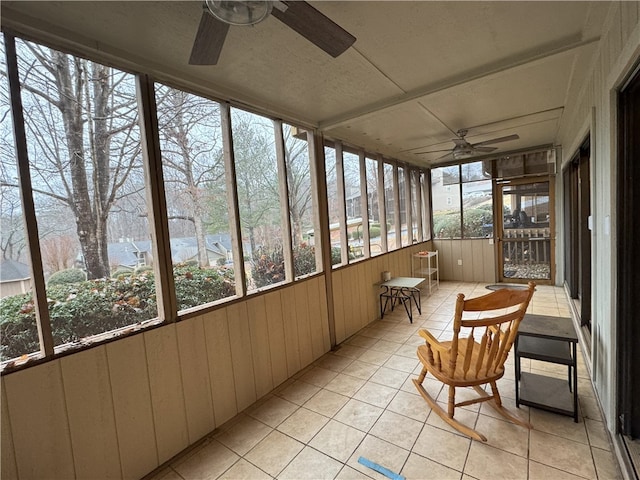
[236, 12]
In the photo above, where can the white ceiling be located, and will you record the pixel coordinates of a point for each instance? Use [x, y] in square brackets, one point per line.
[417, 73]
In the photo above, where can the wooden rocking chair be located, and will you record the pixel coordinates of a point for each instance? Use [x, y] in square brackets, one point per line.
[476, 356]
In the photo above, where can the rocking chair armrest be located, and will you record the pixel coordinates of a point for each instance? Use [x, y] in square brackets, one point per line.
[432, 341]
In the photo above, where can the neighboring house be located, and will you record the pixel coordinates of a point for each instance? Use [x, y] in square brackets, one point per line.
[15, 278]
[129, 255]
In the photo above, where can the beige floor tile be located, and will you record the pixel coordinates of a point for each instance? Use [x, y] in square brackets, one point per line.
[606, 465]
[378, 451]
[420, 468]
[348, 473]
[466, 417]
[598, 435]
[361, 341]
[509, 404]
[488, 463]
[386, 346]
[350, 351]
[207, 462]
[337, 440]
[443, 447]
[345, 385]
[410, 405]
[562, 454]
[334, 362]
[273, 411]
[359, 415]
[274, 452]
[326, 403]
[303, 424]
[376, 394]
[298, 392]
[397, 429]
[244, 434]
[318, 376]
[538, 471]
[389, 377]
[243, 470]
[375, 357]
[407, 350]
[360, 369]
[589, 408]
[560, 425]
[404, 364]
[312, 465]
[167, 473]
[504, 435]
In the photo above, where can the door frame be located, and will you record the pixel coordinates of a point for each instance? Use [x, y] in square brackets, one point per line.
[498, 231]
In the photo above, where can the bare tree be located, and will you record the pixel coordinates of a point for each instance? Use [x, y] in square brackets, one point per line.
[58, 253]
[191, 156]
[81, 119]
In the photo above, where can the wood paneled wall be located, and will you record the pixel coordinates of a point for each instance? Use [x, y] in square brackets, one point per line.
[478, 260]
[120, 410]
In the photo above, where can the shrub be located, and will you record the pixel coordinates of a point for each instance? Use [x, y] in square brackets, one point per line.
[70, 275]
[197, 286]
[143, 269]
[267, 267]
[91, 307]
[122, 273]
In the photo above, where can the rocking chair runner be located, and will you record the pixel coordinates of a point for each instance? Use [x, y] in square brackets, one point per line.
[477, 358]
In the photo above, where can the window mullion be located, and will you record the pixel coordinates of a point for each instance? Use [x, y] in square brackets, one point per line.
[364, 206]
[418, 213]
[43, 320]
[342, 205]
[382, 207]
[156, 199]
[232, 200]
[396, 203]
[317, 174]
[408, 206]
[285, 214]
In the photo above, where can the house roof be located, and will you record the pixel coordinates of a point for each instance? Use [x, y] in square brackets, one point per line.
[11, 270]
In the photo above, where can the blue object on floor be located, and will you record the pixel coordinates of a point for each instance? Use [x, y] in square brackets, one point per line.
[379, 468]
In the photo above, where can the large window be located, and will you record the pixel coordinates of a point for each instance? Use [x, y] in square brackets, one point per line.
[221, 200]
[18, 328]
[196, 196]
[83, 142]
[302, 207]
[259, 199]
[353, 204]
[462, 201]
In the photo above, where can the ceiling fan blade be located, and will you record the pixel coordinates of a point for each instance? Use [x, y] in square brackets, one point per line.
[433, 151]
[497, 140]
[315, 27]
[484, 149]
[209, 40]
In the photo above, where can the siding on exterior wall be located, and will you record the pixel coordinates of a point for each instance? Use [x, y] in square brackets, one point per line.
[591, 108]
[120, 410]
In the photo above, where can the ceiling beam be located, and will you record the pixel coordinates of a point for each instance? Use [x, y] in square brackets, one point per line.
[467, 77]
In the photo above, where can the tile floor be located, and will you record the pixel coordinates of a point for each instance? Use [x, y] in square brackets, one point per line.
[359, 401]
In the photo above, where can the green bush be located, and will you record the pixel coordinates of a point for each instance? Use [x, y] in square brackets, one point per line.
[374, 231]
[122, 273]
[268, 265]
[70, 275]
[196, 286]
[91, 307]
[447, 225]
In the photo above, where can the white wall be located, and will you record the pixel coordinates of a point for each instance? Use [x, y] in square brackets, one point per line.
[591, 107]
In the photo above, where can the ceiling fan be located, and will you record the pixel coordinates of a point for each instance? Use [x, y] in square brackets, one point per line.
[463, 149]
[218, 15]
